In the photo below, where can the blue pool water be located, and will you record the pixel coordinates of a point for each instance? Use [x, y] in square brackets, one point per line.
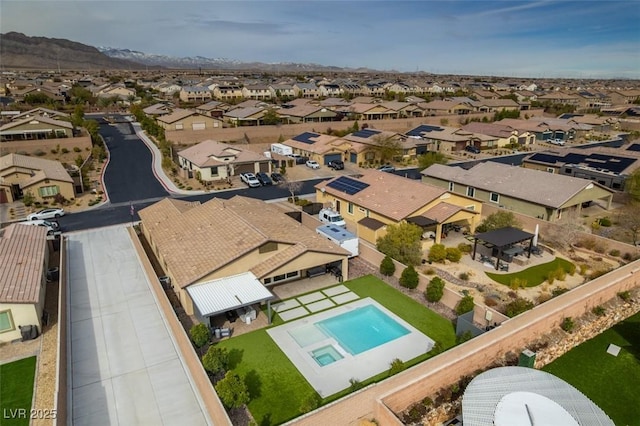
[362, 329]
[326, 355]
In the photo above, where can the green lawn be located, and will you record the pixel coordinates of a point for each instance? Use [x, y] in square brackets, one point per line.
[16, 390]
[535, 275]
[611, 382]
[277, 388]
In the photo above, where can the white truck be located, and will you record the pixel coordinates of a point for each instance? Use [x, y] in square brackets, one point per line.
[332, 217]
[341, 237]
[281, 149]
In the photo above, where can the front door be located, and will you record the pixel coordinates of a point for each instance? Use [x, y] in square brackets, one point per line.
[338, 206]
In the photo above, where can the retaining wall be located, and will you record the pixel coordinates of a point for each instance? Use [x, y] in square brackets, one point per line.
[46, 145]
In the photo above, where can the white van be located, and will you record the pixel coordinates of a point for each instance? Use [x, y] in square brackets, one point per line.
[332, 217]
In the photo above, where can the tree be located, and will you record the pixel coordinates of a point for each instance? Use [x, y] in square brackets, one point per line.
[232, 390]
[216, 359]
[629, 220]
[437, 253]
[271, 117]
[402, 243]
[199, 334]
[435, 289]
[387, 267]
[453, 254]
[292, 186]
[632, 185]
[465, 305]
[387, 147]
[98, 152]
[430, 158]
[517, 307]
[77, 118]
[28, 198]
[409, 278]
[498, 220]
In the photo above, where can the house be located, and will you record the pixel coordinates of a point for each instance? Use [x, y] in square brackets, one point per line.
[213, 109]
[505, 135]
[43, 179]
[21, 95]
[447, 139]
[24, 260]
[211, 161]
[606, 166]
[403, 109]
[196, 244]
[42, 112]
[282, 91]
[319, 147]
[117, 91]
[306, 90]
[444, 107]
[361, 111]
[495, 105]
[251, 116]
[157, 109]
[374, 199]
[560, 98]
[534, 193]
[184, 119]
[365, 145]
[195, 94]
[227, 92]
[33, 128]
[328, 90]
[307, 114]
[259, 92]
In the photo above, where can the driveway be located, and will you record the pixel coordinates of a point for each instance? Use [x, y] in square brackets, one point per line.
[124, 366]
[129, 174]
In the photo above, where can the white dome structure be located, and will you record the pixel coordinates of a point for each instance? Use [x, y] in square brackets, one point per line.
[521, 396]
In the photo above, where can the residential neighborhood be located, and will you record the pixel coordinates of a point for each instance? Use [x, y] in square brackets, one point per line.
[294, 243]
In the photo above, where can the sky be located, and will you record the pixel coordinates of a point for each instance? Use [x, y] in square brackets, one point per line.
[537, 39]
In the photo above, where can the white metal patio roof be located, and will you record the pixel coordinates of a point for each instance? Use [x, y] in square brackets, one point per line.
[223, 294]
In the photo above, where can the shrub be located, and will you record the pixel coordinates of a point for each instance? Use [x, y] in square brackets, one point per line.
[75, 149]
[396, 366]
[598, 273]
[39, 153]
[430, 271]
[571, 269]
[551, 277]
[465, 305]
[516, 283]
[490, 301]
[232, 390]
[589, 243]
[437, 253]
[216, 359]
[583, 268]
[453, 254]
[625, 295]
[598, 311]
[567, 324]
[28, 199]
[543, 297]
[517, 307]
[54, 151]
[605, 221]
[354, 384]
[560, 274]
[409, 278]
[199, 335]
[600, 248]
[464, 276]
[387, 267]
[465, 248]
[435, 289]
[189, 188]
[310, 402]
[463, 337]
[614, 252]
[628, 257]
[558, 291]
[66, 151]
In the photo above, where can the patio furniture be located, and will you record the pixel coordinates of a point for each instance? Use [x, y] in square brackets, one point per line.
[225, 332]
[504, 267]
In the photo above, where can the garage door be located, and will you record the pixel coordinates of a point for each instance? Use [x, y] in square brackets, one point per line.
[264, 167]
[198, 126]
[332, 157]
[244, 168]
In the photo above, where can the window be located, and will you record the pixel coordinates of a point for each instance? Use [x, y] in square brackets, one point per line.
[48, 191]
[471, 191]
[6, 322]
[451, 186]
[268, 247]
[350, 208]
[550, 169]
[495, 198]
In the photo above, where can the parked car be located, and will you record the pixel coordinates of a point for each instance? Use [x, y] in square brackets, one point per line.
[46, 214]
[277, 178]
[556, 141]
[301, 160]
[264, 178]
[313, 164]
[336, 164]
[250, 179]
[472, 149]
[387, 168]
[52, 227]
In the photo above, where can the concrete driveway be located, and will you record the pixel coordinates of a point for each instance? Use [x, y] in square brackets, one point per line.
[124, 366]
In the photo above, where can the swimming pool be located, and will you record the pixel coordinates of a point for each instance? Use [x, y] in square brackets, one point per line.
[362, 329]
[326, 355]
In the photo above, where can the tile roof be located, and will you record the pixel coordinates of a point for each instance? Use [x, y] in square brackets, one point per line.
[442, 211]
[176, 115]
[321, 143]
[389, 195]
[43, 169]
[547, 189]
[491, 129]
[38, 119]
[198, 239]
[211, 153]
[245, 112]
[22, 252]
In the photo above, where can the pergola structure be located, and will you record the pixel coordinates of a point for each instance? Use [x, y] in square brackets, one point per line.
[503, 240]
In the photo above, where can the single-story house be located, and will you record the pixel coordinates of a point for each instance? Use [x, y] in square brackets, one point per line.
[250, 116]
[24, 260]
[319, 147]
[211, 161]
[184, 119]
[374, 199]
[505, 135]
[197, 244]
[306, 114]
[44, 179]
[39, 127]
[534, 193]
[42, 112]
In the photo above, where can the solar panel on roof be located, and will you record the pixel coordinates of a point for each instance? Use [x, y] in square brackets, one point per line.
[422, 129]
[365, 133]
[306, 137]
[634, 147]
[347, 185]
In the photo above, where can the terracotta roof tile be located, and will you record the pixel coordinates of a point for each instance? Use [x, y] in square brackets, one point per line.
[22, 252]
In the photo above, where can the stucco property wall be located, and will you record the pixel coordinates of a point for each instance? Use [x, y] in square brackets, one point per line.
[47, 145]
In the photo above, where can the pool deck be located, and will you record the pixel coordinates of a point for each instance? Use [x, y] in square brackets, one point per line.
[334, 377]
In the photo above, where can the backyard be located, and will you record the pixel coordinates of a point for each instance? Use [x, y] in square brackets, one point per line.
[16, 391]
[278, 390]
[609, 381]
[534, 275]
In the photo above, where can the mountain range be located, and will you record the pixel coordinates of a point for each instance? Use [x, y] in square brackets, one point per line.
[19, 51]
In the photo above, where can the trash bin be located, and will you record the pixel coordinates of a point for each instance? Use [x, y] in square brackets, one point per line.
[217, 333]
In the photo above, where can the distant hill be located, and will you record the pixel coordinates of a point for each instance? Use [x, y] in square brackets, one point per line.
[20, 51]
